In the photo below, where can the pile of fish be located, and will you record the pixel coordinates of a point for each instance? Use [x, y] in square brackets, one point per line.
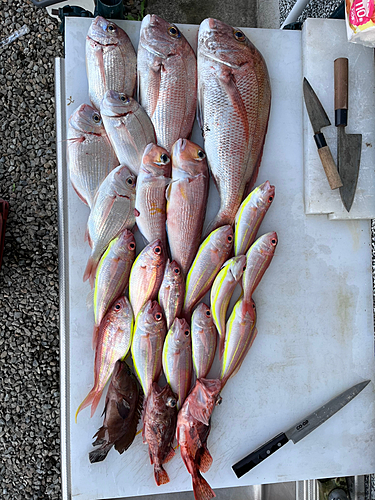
[131, 161]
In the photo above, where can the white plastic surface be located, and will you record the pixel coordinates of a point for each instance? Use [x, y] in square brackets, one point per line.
[314, 309]
[323, 41]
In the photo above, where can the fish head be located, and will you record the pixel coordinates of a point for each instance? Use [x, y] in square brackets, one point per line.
[221, 42]
[179, 333]
[237, 267]
[172, 273]
[125, 247]
[152, 314]
[116, 104]
[87, 120]
[106, 32]
[162, 400]
[268, 243]
[246, 312]
[222, 238]
[188, 158]
[266, 193]
[122, 378]
[154, 255]
[156, 161]
[160, 38]
[120, 313]
[202, 317]
[203, 399]
[123, 182]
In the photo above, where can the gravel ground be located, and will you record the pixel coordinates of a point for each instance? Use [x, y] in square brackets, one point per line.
[29, 331]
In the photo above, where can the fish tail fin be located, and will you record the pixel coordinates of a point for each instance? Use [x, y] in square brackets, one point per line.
[161, 476]
[202, 490]
[87, 401]
[222, 218]
[90, 271]
[100, 454]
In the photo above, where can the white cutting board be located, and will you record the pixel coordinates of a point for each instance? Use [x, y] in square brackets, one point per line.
[314, 309]
[323, 41]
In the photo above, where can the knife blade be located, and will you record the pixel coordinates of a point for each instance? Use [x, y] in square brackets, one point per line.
[319, 119]
[349, 146]
[299, 430]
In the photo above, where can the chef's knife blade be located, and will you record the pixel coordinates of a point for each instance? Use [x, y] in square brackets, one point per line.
[319, 119]
[299, 430]
[349, 146]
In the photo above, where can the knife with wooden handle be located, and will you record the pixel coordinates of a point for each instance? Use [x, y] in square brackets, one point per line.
[319, 119]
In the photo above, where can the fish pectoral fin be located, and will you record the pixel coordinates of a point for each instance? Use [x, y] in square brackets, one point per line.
[123, 408]
[170, 455]
[227, 81]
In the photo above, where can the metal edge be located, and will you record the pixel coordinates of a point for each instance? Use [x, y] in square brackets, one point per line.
[63, 277]
[307, 490]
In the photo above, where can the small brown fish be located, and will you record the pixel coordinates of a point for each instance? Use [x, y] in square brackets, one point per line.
[193, 428]
[122, 411]
[159, 427]
[172, 292]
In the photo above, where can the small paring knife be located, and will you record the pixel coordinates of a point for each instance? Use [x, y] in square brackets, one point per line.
[319, 119]
[299, 430]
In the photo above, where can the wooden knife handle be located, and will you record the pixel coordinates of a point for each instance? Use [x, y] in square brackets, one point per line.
[341, 68]
[330, 168]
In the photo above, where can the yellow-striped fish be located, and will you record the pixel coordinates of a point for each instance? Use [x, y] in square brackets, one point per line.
[240, 334]
[172, 292]
[258, 258]
[177, 361]
[203, 340]
[211, 255]
[250, 216]
[146, 275]
[112, 275]
[147, 345]
[222, 291]
[114, 340]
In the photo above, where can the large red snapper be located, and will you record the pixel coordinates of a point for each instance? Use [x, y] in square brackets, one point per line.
[187, 200]
[111, 61]
[193, 428]
[90, 155]
[150, 202]
[167, 79]
[159, 428]
[234, 97]
[114, 340]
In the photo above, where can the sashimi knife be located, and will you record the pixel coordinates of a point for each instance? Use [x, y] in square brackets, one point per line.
[319, 119]
[299, 430]
[349, 146]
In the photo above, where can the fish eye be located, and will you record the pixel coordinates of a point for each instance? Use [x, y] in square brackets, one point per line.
[230, 238]
[219, 400]
[171, 402]
[201, 155]
[176, 271]
[173, 31]
[117, 307]
[274, 241]
[164, 158]
[96, 118]
[158, 316]
[111, 28]
[157, 250]
[186, 333]
[131, 246]
[238, 35]
[124, 98]
[208, 313]
[270, 199]
[129, 180]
